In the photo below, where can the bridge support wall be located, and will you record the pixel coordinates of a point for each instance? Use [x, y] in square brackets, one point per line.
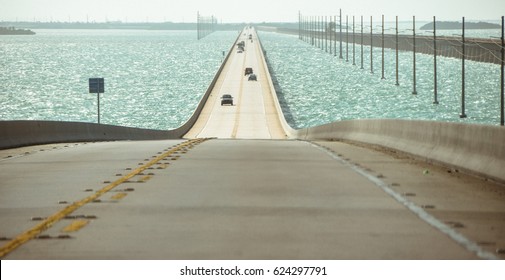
[481, 50]
[26, 133]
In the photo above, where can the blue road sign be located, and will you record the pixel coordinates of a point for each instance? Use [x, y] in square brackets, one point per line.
[96, 85]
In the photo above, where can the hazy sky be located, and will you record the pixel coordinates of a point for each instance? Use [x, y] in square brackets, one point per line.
[242, 11]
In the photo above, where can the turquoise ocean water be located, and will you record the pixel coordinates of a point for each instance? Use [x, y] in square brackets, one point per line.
[155, 79]
[317, 87]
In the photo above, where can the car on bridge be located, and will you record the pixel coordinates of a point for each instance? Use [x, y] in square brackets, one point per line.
[241, 46]
[248, 71]
[226, 99]
[253, 77]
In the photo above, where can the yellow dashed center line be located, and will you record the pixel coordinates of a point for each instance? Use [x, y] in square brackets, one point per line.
[75, 226]
[237, 114]
[162, 166]
[119, 196]
[144, 179]
[51, 220]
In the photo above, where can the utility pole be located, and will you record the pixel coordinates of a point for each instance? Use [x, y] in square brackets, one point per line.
[330, 28]
[326, 33]
[321, 39]
[383, 48]
[299, 25]
[312, 35]
[341, 34]
[302, 26]
[463, 115]
[397, 80]
[435, 60]
[502, 118]
[353, 42]
[334, 35]
[319, 32]
[362, 42]
[320, 27]
[346, 38]
[414, 91]
[371, 45]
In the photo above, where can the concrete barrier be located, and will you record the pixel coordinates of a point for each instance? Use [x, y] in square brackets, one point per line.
[288, 130]
[26, 133]
[478, 149]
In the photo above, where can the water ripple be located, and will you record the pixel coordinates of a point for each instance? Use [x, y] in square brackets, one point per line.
[318, 88]
[154, 79]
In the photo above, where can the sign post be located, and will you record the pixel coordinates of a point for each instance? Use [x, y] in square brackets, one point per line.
[97, 85]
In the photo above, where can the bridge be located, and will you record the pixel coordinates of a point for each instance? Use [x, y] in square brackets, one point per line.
[237, 182]
[323, 32]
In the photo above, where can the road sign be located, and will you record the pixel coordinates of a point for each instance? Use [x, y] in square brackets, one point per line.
[96, 85]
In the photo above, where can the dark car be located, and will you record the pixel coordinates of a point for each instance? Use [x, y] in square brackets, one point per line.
[253, 77]
[226, 99]
[248, 71]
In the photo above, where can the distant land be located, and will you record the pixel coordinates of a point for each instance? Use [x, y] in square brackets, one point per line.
[449, 25]
[134, 26]
[14, 31]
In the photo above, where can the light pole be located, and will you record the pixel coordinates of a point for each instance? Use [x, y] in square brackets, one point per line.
[463, 115]
[414, 90]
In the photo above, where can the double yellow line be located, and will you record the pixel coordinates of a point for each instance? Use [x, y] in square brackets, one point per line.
[50, 221]
[239, 103]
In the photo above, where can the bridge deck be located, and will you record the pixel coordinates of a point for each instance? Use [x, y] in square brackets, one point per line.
[240, 198]
[253, 115]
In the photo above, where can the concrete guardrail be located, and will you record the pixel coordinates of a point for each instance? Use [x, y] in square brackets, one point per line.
[478, 149]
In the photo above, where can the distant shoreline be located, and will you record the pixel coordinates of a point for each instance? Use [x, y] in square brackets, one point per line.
[441, 25]
[132, 26]
[15, 31]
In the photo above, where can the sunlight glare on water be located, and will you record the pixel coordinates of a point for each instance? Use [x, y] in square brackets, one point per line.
[316, 87]
[153, 79]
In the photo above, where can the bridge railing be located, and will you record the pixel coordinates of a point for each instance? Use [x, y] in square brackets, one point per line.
[205, 25]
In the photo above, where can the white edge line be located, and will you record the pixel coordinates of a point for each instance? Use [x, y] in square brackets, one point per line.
[425, 216]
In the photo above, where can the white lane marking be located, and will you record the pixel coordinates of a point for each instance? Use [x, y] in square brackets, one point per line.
[425, 216]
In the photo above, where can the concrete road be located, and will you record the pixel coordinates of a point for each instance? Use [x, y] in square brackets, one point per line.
[226, 199]
[253, 115]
